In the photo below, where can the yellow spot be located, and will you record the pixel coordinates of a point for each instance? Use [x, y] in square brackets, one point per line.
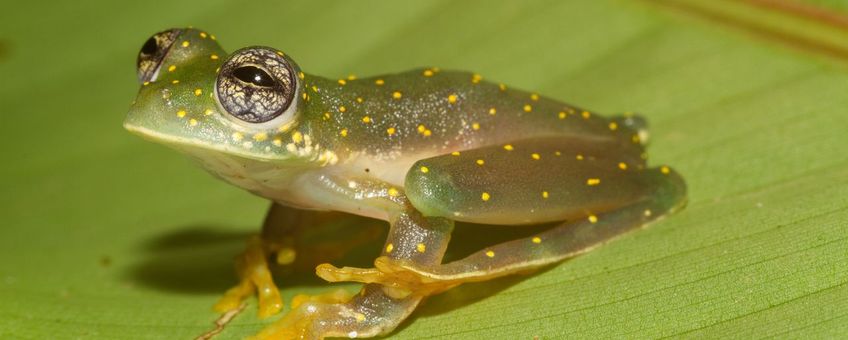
[198, 92]
[145, 83]
[593, 219]
[557, 153]
[579, 157]
[379, 82]
[427, 133]
[390, 131]
[203, 35]
[366, 119]
[421, 247]
[207, 112]
[492, 111]
[260, 136]
[396, 95]
[359, 317]
[172, 68]
[185, 43]
[534, 97]
[593, 181]
[342, 82]
[192, 122]
[455, 153]
[452, 99]
[237, 136]
[480, 162]
[358, 99]
[327, 116]
[212, 37]
[613, 126]
[647, 213]
[389, 248]
[393, 192]
[351, 77]
[508, 147]
[562, 115]
[213, 57]
[301, 75]
[297, 137]
[485, 196]
[175, 81]
[314, 88]
[537, 240]
[181, 113]
[490, 253]
[425, 169]
[421, 128]
[502, 87]
[665, 170]
[544, 194]
[635, 139]
[475, 126]
[305, 96]
[586, 114]
[476, 78]
[277, 141]
[622, 166]
[536, 156]
[527, 108]
[343, 132]
[342, 109]
[428, 73]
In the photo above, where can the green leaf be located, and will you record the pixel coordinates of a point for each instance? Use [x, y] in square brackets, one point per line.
[106, 236]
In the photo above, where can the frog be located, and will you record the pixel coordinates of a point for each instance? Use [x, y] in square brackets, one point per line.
[421, 150]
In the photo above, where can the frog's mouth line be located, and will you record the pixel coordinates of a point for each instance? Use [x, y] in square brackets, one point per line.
[169, 140]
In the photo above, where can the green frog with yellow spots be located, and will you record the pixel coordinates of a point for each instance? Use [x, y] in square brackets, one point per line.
[421, 149]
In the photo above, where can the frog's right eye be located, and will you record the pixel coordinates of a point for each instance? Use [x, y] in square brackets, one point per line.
[152, 52]
[256, 85]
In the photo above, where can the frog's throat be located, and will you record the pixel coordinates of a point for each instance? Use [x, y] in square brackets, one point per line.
[171, 140]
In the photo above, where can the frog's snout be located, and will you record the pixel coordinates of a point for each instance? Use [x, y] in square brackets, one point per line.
[153, 52]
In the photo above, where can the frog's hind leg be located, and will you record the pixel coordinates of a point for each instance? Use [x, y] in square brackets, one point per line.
[666, 195]
[600, 187]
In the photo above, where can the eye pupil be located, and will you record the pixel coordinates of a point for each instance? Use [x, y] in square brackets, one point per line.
[149, 47]
[254, 75]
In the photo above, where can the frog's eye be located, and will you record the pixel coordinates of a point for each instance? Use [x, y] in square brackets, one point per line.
[152, 53]
[256, 85]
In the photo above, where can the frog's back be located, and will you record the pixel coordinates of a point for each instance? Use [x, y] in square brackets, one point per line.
[428, 112]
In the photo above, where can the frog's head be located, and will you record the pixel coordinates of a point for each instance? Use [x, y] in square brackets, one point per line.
[198, 99]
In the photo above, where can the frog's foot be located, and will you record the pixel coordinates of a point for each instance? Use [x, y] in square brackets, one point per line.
[255, 276]
[400, 277]
[341, 314]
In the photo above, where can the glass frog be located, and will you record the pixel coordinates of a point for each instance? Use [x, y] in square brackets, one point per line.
[421, 149]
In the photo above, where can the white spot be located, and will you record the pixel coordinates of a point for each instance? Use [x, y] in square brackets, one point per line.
[311, 309]
[352, 334]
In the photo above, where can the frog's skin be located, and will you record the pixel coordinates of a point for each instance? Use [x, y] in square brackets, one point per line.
[420, 149]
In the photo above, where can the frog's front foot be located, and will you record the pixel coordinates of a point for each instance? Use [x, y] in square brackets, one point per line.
[400, 277]
[255, 276]
[341, 314]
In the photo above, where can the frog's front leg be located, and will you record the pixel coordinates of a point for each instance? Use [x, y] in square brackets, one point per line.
[381, 305]
[280, 242]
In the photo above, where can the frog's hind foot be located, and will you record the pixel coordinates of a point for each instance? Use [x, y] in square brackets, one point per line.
[255, 276]
[400, 277]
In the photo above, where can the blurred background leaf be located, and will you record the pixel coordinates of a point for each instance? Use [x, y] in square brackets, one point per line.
[106, 236]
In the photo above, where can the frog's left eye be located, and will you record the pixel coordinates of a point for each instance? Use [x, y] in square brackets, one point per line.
[152, 53]
[256, 85]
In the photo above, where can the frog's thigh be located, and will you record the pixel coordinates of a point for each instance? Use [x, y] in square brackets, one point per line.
[529, 181]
